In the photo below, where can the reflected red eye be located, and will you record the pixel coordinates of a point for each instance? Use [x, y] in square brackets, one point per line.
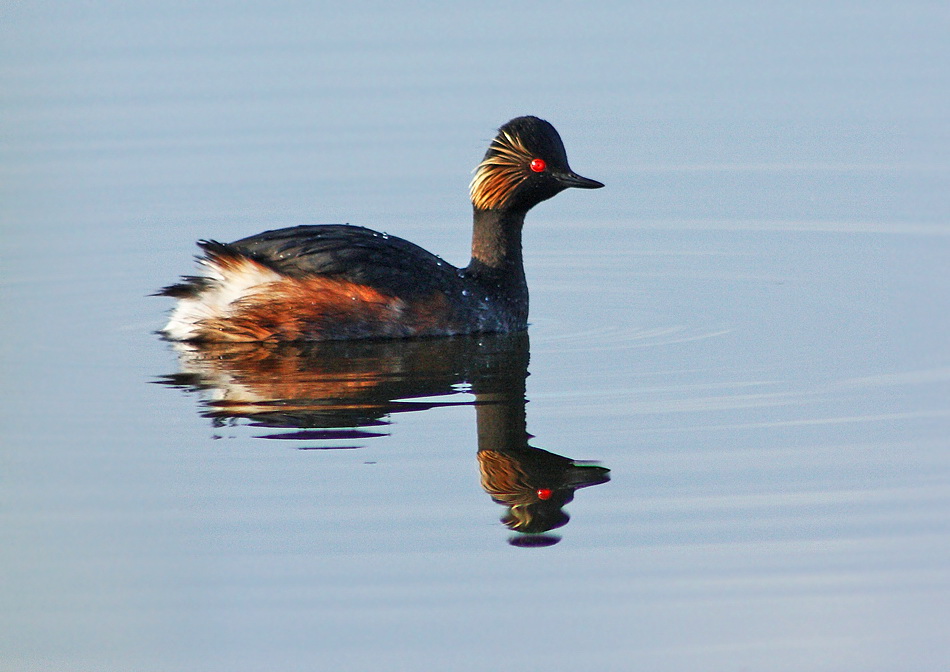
[544, 493]
[538, 165]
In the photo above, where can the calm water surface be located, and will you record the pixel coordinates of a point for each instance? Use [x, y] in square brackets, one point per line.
[747, 328]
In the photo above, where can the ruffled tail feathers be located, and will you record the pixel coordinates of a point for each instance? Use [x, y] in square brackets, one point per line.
[227, 277]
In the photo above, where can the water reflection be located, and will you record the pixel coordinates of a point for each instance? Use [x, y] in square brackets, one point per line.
[329, 392]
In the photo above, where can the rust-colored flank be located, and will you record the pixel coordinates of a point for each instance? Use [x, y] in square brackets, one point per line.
[319, 307]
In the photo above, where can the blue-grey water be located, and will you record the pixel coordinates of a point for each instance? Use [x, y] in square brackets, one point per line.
[748, 327]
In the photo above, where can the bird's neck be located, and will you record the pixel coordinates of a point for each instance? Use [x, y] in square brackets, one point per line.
[497, 266]
[496, 242]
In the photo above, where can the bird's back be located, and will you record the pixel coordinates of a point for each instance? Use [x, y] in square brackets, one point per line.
[351, 253]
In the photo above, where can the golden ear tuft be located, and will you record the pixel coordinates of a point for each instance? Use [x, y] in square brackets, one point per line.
[500, 172]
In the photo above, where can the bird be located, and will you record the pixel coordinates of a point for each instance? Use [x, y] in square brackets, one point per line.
[341, 281]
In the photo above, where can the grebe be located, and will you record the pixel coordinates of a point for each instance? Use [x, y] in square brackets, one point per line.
[330, 282]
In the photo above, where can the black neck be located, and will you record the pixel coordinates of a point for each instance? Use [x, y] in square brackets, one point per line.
[497, 265]
[496, 241]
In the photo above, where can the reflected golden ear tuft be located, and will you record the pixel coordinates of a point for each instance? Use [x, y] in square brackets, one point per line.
[501, 171]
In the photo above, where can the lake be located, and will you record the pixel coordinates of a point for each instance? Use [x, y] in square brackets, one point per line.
[723, 443]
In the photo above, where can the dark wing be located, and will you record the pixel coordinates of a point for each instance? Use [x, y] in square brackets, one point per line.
[352, 253]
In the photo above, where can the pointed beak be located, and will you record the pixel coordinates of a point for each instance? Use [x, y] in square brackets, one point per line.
[574, 180]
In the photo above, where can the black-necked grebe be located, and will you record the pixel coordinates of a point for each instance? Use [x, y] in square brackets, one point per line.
[339, 281]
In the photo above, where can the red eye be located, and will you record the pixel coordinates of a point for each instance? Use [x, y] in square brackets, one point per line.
[538, 165]
[544, 493]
